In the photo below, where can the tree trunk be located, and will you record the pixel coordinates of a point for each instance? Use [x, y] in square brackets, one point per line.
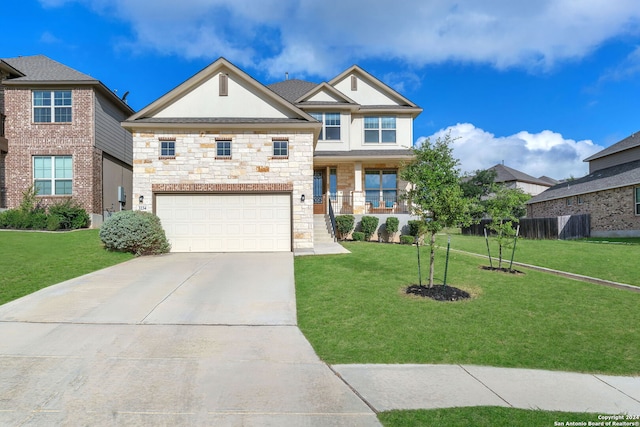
[432, 257]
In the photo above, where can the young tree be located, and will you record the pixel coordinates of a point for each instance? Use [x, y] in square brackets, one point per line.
[435, 195]
[505, 206]
[477, 188]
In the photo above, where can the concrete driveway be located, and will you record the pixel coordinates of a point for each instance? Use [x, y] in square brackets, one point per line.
[178, 339]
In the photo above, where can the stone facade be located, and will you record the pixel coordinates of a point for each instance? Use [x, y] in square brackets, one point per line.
[612, 211]
[251, 168]
[28, 139]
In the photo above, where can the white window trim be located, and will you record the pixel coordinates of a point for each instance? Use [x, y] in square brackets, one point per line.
[280, 156]
[53, 178]
[52, 107]
[380, 129]
[323, 120]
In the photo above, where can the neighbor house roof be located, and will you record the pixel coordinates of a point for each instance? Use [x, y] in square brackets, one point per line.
[507, 174]
[627, 143]
[39, 70]
[603, 179]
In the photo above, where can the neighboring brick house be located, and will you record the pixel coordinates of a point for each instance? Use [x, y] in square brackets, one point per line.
[610, 194]
[62, 133]
[513, 178]
[229, 164]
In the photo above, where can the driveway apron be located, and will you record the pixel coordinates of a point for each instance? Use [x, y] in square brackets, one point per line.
[178, 339]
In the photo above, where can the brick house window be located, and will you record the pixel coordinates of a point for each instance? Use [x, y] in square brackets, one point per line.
[570, 201]
[330, 125]
[637, 200]
[281, 148]
[379, 129]
[167, 148]
[52, 106]
[53, 175]
[223, 149]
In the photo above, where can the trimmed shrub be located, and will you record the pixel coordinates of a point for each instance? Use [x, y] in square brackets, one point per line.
[70, 214]
[369, 225]
[358, 236]
[17, 219]
[137, 232]
[37, 220]
[417, 228]
[391, 225]
[407, 240]
[53, 223]
[344, 224]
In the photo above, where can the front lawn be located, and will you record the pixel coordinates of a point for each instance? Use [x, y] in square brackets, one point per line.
[609, 259]
[353, 309]
[30, 261]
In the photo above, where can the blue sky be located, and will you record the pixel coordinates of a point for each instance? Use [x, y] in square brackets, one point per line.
[540, 85]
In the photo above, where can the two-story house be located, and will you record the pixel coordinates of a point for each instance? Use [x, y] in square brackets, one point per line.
[610, 193]
[229, 164]
[61, 132]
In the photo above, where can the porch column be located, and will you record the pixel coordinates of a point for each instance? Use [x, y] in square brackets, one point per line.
[358, 194]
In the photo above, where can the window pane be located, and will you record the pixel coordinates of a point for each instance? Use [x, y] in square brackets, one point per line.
[63, 186]
[41, 99]
[280, 148]
[371, 122]
[333, 181]
[63, 167]
[388, 123]
[371, 135]
[43, 187]
[167, 148]
[42, 115]
[372, 196]
[388, 136]
[389, 179]
[223, 149]
[63, 114]
[332, 119]
[62, 97]
[333, 133]
[389, 195]
[317, 116]
[42, 167]
[372, 180]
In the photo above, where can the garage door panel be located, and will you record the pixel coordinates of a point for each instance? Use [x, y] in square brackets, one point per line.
[226, 222]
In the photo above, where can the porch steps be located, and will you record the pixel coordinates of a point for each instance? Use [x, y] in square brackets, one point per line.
[321, 229]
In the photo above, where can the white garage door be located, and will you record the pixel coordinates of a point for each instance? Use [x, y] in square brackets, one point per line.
[226, 222]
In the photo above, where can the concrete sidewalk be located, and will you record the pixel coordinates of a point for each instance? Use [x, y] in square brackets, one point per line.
[389, 387]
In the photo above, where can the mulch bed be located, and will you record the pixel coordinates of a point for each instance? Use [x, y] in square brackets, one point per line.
[503, 270]
[438, 292]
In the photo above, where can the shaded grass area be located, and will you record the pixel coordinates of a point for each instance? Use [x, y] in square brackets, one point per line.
[609, 259]
[30, 261]
[353, 309]
[482, 416]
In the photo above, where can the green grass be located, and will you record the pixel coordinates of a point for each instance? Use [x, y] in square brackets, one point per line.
[30, 261]
[353, 309]
[481, 416]
[609, 259]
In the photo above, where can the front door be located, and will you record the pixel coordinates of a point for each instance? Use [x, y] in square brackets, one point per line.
[318, 192]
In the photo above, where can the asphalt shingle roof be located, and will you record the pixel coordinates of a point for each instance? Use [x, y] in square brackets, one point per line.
[214, 120]
[603, 179]
[292, 89]
[40, 68]
[627, 143]
[507, 174]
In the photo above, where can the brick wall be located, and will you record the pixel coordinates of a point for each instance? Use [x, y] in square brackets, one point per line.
[251, 167]
[27, 139]
[612, 211]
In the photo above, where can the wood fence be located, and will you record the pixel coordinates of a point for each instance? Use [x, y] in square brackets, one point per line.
[562, 227]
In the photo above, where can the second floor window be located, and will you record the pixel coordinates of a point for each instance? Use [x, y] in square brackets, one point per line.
[379, 129]
[52, 106]
[223, 149]
[330, 126]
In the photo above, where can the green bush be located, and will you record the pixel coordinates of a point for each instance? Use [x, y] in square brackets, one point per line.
[391, 225]
[53, 223]
[137, 232]
[407, 240]
[37, 220]
[369, 225]
[17, 219]
[417, 228]
[358, 236]
[344, 224]
[71, 215]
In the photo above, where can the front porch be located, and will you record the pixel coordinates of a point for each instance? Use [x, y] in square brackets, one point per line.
[358, 203]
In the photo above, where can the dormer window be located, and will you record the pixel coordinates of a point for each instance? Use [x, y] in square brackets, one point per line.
[379, 129]
[330, 126]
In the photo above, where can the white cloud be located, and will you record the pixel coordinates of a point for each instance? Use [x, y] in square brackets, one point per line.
[545, 153]
[316, 38]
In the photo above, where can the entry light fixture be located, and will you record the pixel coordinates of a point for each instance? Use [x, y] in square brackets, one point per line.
[302, 198]
[141, 199]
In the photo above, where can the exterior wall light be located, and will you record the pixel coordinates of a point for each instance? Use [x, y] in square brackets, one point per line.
[302, 198]
[141, 199]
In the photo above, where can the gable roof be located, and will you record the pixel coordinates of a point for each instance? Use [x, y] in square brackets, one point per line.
[330, 91]
[604, 179]
[39, 70]
[293, 89]
[146, 115]
[507, 174]
[629, 142]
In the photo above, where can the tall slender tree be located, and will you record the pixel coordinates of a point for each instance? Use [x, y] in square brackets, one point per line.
[435, 195]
